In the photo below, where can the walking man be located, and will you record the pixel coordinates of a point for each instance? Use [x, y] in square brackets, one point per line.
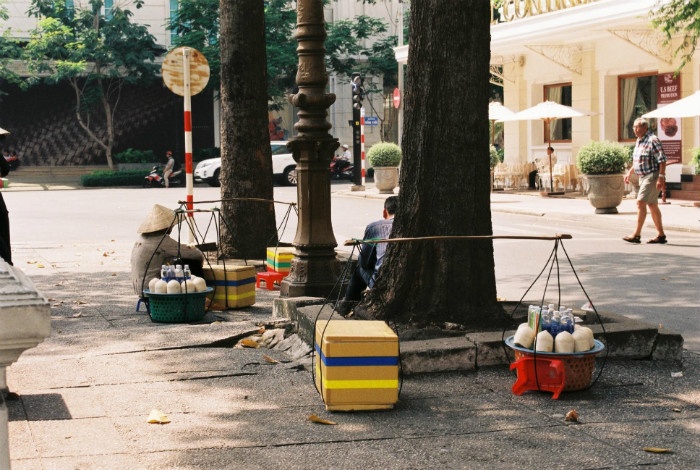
[649, 163]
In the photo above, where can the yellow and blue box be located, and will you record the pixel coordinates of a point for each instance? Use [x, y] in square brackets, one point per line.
[357, 365]
[234, 286]
[279, 259]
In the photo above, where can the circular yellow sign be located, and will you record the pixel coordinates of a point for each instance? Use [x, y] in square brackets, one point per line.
[174, 72]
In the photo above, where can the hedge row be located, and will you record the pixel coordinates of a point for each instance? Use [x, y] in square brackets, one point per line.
[107, 178]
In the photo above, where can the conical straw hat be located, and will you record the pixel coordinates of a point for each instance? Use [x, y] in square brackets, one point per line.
[160, 218]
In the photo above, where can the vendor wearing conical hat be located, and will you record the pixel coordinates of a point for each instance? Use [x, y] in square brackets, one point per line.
[155, 248]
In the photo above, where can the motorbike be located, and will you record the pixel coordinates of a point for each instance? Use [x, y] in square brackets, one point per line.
[341, 169]
[155, 178]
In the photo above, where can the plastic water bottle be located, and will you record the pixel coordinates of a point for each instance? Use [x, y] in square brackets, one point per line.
[179, 273]
[545, 320]
[567, 321]
[555, 324]
[187, 272]
[171, 272]
[164, 274]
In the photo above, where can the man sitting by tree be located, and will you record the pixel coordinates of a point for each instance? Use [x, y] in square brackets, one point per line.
[371, 256]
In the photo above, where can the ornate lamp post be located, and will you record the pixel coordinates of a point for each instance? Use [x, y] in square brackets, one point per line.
[315, 269]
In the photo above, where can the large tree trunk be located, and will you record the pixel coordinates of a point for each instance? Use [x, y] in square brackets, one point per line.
[246, 162]
[444, 175]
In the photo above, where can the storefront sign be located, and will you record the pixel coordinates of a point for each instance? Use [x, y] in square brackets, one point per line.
[513, 10]
[669, 128]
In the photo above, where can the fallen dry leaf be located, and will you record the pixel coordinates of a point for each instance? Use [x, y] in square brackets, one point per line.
[657, 450]
[105, 254]
[157, 417]
[39, 265]
[571, 416]
[249, 343]
[80, 302]
[316, 419]
[676, 410]
[32, 262]
[77, 315]
[269, 359]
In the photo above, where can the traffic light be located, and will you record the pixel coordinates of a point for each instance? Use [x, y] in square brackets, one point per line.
[358, 91]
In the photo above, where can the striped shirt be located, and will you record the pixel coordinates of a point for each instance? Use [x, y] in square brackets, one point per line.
[648, 153]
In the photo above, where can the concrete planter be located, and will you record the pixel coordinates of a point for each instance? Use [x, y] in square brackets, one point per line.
[386, 178]
[605, 192]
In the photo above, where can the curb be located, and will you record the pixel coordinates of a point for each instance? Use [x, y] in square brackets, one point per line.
[623, 337]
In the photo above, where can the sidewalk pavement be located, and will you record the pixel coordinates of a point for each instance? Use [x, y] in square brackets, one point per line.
[82, 399]
[677, 215]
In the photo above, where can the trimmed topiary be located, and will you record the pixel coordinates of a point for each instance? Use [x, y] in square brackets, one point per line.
[603, 158]
[384, 154]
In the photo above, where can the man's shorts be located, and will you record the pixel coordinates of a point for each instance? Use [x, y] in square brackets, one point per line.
[647, 188]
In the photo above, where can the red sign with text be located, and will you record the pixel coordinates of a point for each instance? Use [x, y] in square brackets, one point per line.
[669, 128]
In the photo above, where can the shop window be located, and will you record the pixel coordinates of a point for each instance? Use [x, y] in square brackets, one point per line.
[560, 129]
[637, 96]
[173, 16]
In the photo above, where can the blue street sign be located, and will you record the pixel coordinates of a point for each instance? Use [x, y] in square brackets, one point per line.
[371, 121]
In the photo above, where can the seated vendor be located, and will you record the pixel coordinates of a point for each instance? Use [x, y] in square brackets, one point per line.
[155, 247]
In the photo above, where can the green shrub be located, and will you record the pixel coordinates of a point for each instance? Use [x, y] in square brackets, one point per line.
[384, 154]
[695, 152]
[603, 158]
[108, 178]
[496, 156]
[135, 156]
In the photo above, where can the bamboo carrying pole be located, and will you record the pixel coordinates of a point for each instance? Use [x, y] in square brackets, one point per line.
[356, 241]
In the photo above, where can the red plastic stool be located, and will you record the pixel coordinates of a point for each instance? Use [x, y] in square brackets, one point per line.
[551, 376]
[270, 277]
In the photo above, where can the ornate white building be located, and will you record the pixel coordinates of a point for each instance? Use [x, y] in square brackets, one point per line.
[599, 56]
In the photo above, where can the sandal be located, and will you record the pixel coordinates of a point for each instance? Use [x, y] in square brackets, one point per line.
[660, 239]
[635, 239]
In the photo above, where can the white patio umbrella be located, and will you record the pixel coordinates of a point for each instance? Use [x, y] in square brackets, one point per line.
[3, 131]
[547, 112]
[686, 107]
[497, 112]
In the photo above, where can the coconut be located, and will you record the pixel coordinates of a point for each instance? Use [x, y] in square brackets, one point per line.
[187, 286]
[524, 336]
[173, 287]
[581, 343]
[200, 284]
[152, 284]
[544, 342]
[161, 287]
[564, 343]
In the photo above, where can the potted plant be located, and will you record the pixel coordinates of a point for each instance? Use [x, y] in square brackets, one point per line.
[496, 157]
[603, 163]
[695, 161]
[385, 157]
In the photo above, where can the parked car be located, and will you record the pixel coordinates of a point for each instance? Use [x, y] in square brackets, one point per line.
[283, 166]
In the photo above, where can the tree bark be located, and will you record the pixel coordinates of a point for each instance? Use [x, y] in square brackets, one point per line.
[444, 175]
[246, 162]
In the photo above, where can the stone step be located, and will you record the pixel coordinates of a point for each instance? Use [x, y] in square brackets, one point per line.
[694, 186]
[685, 195]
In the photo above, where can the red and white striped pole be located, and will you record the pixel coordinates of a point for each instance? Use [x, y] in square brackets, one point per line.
[362, 145]
[189, 179]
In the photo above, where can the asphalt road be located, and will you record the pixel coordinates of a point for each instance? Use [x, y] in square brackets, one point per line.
[657, 285]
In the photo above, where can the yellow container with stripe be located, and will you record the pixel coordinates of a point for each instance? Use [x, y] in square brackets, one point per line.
[234, 286]
[357, 365]
[279, 259]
